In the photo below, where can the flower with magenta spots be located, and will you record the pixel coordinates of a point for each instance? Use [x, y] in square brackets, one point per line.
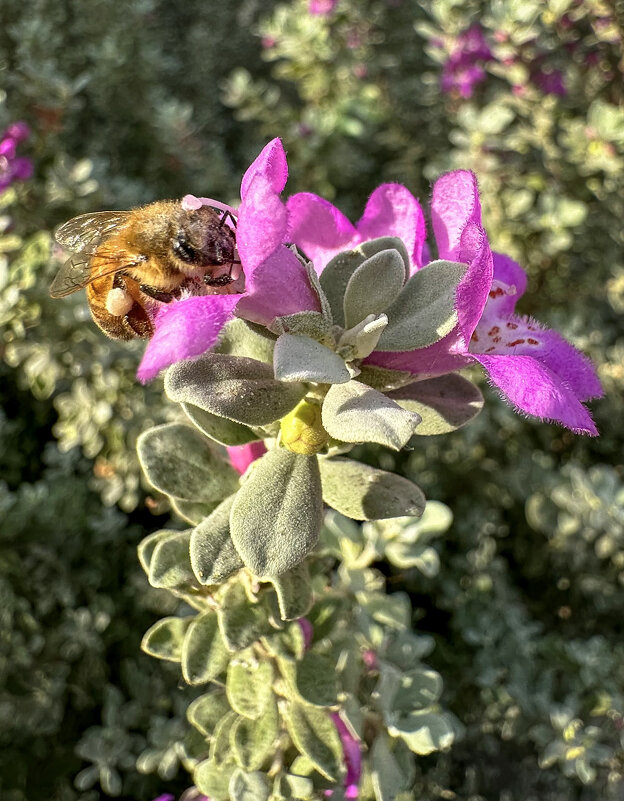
[535, 369]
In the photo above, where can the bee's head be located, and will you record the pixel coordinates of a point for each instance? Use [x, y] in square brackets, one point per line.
[202, 240]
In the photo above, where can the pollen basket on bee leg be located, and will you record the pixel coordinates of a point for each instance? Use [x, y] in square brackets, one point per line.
[118, 302]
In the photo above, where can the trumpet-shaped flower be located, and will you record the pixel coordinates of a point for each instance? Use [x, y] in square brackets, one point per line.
[275, 280]
[535, 369]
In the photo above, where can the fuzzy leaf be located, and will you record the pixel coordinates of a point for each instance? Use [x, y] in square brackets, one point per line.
[241, 389]
[253, 741]
[366, 493]
[249, 786]
[336, 275]
[299, 358]
[192, 512]
[206, 711]
[204, 655]
[353, 412]
[212, 552]
[392, 770]
[277, 514]
[170, 565]
[294, 592]
[425, 311]
[147, 546]
[164, 639]
[241, 623]
[306, 323]
[445, 403]
[315, 735]
[425, 732]
[212, 778]
[242, 338]
[374, 286]
[316, 680]
[221, 430]
[249, 686]
[178, 461]
[295, 787]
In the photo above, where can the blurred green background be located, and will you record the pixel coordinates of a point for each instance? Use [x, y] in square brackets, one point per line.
[136, 100]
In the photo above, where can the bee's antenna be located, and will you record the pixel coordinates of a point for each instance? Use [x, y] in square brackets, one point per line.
[227, 214]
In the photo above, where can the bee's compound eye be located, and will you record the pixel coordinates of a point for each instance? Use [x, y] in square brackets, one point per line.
[183, 248]
[118, 302]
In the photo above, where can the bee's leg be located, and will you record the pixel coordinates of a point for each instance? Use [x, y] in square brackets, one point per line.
[220, 280]
[225, 216]
[157, 294]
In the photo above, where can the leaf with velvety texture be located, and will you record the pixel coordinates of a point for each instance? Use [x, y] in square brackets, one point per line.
[277, 514]
[445, 403]
[241, 389]
[354, 412]
[298, 358]
[424, 312]
[315, 735]
[367, 493]
[219, 429]
[374, 286]
[204, 655]
[178, 461]
[212, 552]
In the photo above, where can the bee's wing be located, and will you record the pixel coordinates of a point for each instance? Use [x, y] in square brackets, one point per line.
[84, 233]
[81, 236]
[73, 275]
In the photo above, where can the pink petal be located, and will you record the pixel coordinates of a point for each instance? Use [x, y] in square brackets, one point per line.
[318, 228]
[533, 388]
[455, 203]
[523, 336]
[271, 164]
[352, 754]
[509, 272]
[474, 288]
[184, 329]
[262, 224]
[279, 286]
[241, 456]
[440, 358]
[392, 210]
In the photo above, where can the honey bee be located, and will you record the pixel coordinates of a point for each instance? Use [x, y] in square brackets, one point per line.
[130, 262]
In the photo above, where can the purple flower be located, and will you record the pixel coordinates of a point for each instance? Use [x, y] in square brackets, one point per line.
[307, 629]
[165, 797]
[321, 8]
[352, 757]
[549, 81]
[12, 167]
[463, 69]
[275, 281]
[535, 369]
[241, 456]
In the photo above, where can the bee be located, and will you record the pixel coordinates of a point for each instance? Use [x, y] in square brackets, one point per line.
[130, 262]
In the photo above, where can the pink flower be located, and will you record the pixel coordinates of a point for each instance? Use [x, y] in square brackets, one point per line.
[241, 456]
[321, 8]
[275, 281]
[352, 757]
[549, 81]
[12, 167]
[535, 369]
[463, 69]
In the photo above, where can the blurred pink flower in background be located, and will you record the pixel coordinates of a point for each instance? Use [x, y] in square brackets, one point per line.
[13, 167]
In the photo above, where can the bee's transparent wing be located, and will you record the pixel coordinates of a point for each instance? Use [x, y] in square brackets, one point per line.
[84, 233]
[81, 236]
[73, 275]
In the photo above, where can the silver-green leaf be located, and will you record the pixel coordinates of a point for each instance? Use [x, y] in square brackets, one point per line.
[241, 389]
[425, 311]
[277, 514]
[178, 461]
[212, 553]
[366, 493]
[299, 358]
[445, 403]
[354, 412]
[374, 286]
